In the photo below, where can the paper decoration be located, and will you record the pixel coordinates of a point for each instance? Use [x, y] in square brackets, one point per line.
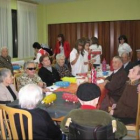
[49, 99]
[70, 97]
[93, 76]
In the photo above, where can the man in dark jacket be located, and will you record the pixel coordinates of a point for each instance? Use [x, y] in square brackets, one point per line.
[126, 108]
[114, 83]
[126, 62]
[138, 57]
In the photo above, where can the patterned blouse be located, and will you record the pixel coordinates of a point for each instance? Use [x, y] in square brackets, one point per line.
[63, 71]
[24, 79]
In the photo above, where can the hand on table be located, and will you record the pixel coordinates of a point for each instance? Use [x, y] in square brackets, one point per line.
[46, 90]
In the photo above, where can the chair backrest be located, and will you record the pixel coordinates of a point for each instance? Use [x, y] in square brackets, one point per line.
[16, 81]
[138, 112]
[97, 132]
[7, 123]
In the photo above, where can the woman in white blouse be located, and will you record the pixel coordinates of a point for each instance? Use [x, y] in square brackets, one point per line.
[124, 46]
[77, 57]
[95, 47]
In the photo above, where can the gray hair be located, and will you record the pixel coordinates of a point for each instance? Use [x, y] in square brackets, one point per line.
[3, 74]
[125, 53]
[2, 48]
[29, 96]
[59, 56]
[119, 58]
[27, 63]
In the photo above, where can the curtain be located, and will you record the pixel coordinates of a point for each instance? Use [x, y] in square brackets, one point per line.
[6, 25]
[27, 28]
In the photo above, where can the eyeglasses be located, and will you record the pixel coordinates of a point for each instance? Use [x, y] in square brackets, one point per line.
[31, 68]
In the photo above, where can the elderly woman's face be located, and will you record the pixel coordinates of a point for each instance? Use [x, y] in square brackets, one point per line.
[9, 79]
[61, 61]
[31, 69]
[46, 62]
[4, 52]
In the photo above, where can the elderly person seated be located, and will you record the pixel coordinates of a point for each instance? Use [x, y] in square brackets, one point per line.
[7, 89]
[30, 77]
[138, 57]
[43, 126]
[88, 115]
[5, 59]
[61, 67]
[126, 108]
[115, 83]
[126, 62]
[48, 74]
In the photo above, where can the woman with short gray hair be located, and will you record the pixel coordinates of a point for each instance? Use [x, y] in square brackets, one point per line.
[43, 126]
[7, 89]
[61, 67]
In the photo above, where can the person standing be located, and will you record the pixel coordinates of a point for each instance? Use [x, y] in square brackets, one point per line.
[124, 46]
[63, 47]
[77, 57]
[95, 47]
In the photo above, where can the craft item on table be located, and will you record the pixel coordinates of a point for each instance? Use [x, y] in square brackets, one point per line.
[95, 52]
[100, 81]
[53, 87]
[111, 66]
[81, 74]
[62, 84]
[105, 73]
[49, 99]
[93, 76]
[70, 97]
[69, 79]
[16, 67]
[104, 65]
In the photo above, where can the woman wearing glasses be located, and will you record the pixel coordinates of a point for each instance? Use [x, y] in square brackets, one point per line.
[30, 77]
[124, 46]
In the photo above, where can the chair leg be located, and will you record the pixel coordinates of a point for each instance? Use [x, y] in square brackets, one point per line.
[137, 133]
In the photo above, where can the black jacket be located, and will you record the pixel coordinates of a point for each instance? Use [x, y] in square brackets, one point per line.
[49, 77]
[128, 67]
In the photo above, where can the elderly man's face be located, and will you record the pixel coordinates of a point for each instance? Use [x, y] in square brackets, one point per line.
[61, 61]
[134, 73]
[4, 52]
[138, 55]
[31, 69]
[125, 58]
[116, 63]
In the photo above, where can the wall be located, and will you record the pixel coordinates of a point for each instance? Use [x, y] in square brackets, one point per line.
[92, 10]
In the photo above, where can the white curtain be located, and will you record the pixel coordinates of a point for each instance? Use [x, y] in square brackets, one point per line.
[6, 25]
[27, 28]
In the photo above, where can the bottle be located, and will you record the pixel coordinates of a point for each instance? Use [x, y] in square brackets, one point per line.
[104, 65]
[93, 76]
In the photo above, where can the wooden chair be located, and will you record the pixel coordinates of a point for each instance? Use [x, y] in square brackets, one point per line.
[7, 123]
[135, 127]
[15, 80]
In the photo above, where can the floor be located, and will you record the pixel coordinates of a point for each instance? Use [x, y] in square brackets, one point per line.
[128, 137]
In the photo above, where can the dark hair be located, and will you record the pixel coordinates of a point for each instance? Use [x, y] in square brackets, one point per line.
[63, 39]
[94, 40]
[81, 43]
[122, 37]
[86, 41]
[36, 45]
[42, 57]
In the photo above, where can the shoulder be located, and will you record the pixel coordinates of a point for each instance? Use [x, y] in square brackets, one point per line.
[66, 42]
[74, 50]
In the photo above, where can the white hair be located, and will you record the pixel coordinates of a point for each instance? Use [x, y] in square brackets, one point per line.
[4, 73]
[29, 96]
[26, 64]
[59, 56]
[2, 48]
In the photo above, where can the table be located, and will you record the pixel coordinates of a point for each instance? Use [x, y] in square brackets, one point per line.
[58, 109]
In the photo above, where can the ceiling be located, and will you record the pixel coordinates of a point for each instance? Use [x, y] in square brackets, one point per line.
[48, 1]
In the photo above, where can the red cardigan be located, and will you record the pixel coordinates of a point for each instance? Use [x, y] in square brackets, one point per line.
[66, 49]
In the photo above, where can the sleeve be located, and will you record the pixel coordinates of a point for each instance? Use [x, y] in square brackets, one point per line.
[101, 49]
[128, 48]
[72, 56]
[86, 57]
[68, 49]
[3, 94]
[115, 83]
[38, 79]
[37, 58]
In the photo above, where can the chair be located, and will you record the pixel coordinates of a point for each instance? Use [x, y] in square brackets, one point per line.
[15, 80]
[135, 127]
[7, 123]
[78, 132]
